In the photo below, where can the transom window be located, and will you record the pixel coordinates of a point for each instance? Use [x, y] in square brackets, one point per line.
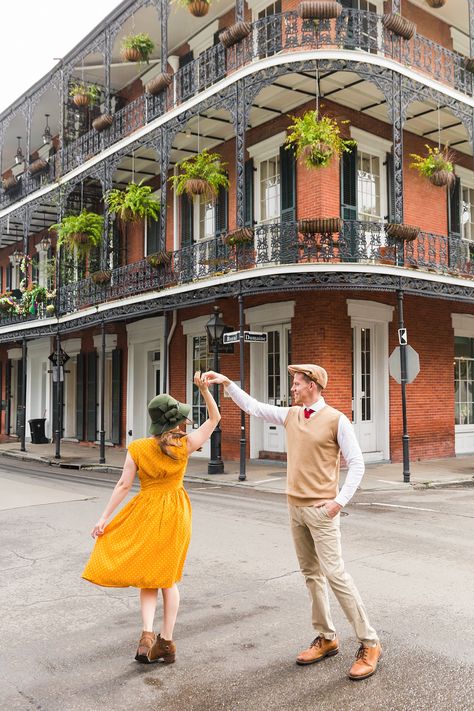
[464, 380]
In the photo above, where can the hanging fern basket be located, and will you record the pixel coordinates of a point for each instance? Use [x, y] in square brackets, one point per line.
[436, 4]
[399, 25]
[197, 186]
[131, 54]
[198, 8]
[81, 99]
[441, 178]
[319, 9]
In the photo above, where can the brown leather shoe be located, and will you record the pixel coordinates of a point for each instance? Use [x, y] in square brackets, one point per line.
[318, 650]
[164, 649]
[145, 644]
[366, 662]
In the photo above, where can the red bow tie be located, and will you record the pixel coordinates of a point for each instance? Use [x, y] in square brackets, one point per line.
[308, 412]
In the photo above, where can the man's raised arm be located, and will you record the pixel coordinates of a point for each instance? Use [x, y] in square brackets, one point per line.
[269, 413]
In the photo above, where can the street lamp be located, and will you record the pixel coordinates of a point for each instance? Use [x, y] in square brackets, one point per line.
[215, 328]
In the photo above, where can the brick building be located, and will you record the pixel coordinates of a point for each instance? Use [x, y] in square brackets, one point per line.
[319, 257]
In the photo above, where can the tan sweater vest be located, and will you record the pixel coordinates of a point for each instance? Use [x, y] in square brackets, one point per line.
[313, 456]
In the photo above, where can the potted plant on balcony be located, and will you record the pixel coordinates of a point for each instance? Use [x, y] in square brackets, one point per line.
[32, 297]
[198, 8]
[319, 9]
[84, 94]
[102, 122]
[399, 231]
[436, 3]
[399, 25]
[38, 166]
[159, 83]
[240, 237]
[8, 305]
[437, 165]
[80, 232]
[317, 139]
[10, 183]
[235, 33]
[159, 259]
[202, 174]
[137, 48]
[319, 225]
[101, 277]
[133, 204]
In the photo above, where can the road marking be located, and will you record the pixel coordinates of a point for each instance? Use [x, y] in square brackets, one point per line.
[387, 481]
[265, 481]
[201, 488]
[395, 506]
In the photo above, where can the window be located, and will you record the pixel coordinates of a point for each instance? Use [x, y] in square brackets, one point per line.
[269, 188]
[369, 187]
[207, 218]
[467, 213]
[464, 380]
[202, 360]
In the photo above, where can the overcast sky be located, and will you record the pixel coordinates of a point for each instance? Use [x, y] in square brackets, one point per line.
[33, 33]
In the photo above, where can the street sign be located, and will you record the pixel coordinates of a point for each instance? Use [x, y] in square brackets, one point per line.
[413, 364]
[249, 337]
[402, 336]
[63, 357]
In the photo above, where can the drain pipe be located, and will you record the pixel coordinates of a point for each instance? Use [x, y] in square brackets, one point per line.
[168, 336]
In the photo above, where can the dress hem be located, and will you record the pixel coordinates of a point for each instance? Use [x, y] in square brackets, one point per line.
[151, 586]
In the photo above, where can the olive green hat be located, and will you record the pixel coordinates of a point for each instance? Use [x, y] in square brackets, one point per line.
[166, 413]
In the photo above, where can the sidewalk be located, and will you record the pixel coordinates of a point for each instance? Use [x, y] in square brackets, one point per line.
[262, 475]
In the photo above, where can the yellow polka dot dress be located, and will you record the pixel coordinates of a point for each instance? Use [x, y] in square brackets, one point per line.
[145, 544]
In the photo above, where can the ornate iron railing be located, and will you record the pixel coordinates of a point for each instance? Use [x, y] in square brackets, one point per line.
[287, 32]
[363, 243]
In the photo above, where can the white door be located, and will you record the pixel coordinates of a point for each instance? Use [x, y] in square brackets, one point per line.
[277, 382]
[364, 382]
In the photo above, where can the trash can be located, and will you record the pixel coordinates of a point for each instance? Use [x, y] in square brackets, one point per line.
[37, 431]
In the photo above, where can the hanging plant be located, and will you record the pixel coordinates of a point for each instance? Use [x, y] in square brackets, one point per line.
[235, 33]
[38, 166]
[80, 232]
[8, 305]
[158, 84]
[10, 183]
[437, 165]
[33, 296]
[202, 174]
[436, 3]
[198, 8]
[319, 9]
[84, 94]
[133, 204]
[317, 139]
[137, 48]
[407, 233]
[320, 225]
[101, 277]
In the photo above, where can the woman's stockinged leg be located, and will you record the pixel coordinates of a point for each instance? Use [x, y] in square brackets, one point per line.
[170, 611]
[148, 597]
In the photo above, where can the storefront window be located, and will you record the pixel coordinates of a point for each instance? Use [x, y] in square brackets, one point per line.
[464, 380]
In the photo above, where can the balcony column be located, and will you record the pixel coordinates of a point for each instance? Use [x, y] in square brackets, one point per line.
[107, 61]
[163, 147]
[164, 12]
[239, 11]
[240, 123]
[26, 232]
[471, 26]
[106, 185]
[64, 83]
[29, 110]
[397, 128]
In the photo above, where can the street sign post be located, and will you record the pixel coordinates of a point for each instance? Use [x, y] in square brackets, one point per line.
[249, 337]
[412, 364]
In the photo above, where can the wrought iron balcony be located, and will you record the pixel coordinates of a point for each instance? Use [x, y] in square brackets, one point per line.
[362, 243]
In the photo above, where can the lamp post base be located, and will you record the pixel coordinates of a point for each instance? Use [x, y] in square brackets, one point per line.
[215, 466]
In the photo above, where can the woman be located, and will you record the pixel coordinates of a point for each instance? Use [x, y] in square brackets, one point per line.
[145, 545]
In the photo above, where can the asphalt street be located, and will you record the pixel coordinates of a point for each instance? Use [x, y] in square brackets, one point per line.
[69, 646]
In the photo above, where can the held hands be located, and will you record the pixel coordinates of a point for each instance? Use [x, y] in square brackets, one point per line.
[199, 381]
[99, 527]
[331, 506]
[212, 378]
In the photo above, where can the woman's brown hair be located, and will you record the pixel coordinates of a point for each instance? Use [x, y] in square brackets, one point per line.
[170, 439]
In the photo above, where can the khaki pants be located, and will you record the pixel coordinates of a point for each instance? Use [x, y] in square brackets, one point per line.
[317, 539]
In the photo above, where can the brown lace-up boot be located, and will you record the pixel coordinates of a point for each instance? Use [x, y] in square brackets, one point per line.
[366, 662]
[318, 650]
[164, 649]
[145, 644]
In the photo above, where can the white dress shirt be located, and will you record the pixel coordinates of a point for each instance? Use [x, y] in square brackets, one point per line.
[346, 438]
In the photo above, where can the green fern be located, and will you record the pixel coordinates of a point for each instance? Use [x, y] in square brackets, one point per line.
[317, 139]
[133, 204]
[205, 166]
[86, 223]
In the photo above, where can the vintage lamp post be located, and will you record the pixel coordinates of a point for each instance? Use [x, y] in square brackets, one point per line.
[215, 328]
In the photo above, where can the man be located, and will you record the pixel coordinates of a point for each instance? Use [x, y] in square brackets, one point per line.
[316, 434]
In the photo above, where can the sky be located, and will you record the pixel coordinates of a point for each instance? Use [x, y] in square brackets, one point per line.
[34, 33]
